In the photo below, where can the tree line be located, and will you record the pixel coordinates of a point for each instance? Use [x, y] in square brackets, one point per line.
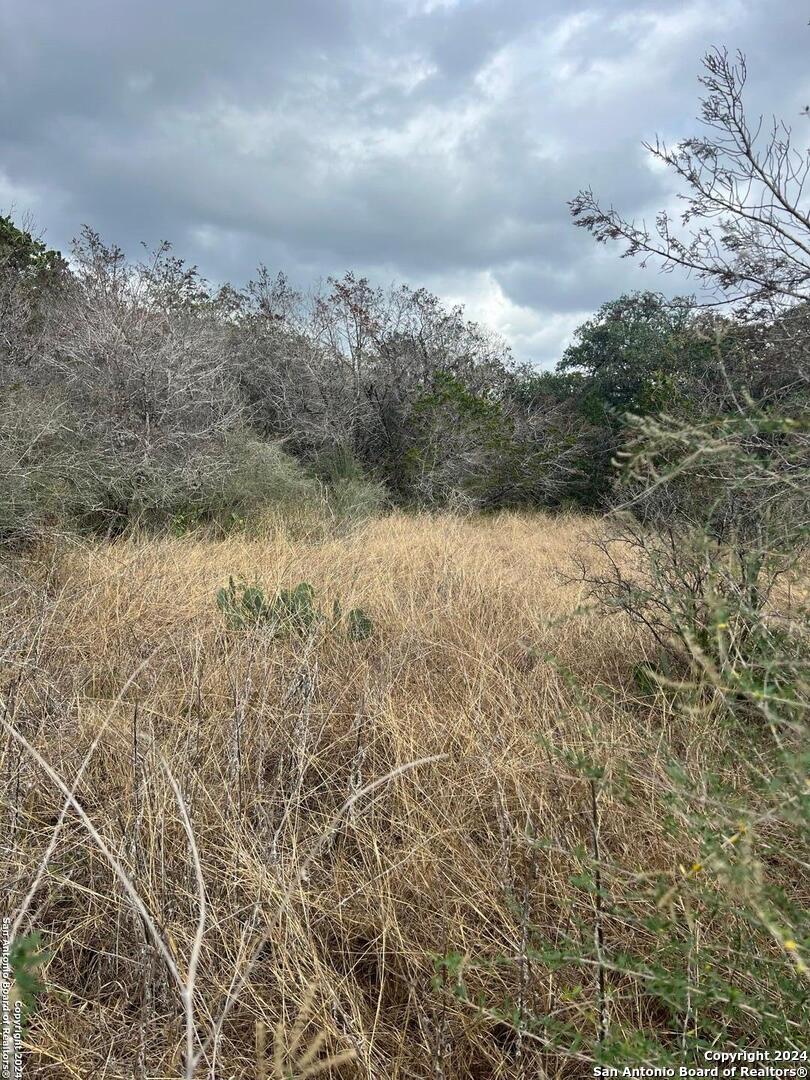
[133, 392]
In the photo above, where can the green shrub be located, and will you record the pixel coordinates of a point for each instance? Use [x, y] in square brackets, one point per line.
[255, 476]
[57, 473]
[50, 472]
[355, 499]
[350, 494]
[335, 463]
[714, 951]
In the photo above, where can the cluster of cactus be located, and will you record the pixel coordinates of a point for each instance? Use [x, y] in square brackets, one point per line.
[289, 611]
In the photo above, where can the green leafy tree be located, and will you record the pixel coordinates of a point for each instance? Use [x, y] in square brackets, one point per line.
[635, 356]
[24, 257]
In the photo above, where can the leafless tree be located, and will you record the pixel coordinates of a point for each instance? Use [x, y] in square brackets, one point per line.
[745, 229]
[140, 347]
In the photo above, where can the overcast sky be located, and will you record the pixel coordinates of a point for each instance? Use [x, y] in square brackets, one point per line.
[431, 141]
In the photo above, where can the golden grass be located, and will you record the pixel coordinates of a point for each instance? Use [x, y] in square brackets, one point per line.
[267, 739]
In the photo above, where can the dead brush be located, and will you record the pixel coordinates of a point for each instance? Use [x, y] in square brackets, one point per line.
[247, 854]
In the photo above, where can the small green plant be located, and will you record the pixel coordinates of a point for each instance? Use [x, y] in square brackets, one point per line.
[26, 956]
[289, 611]
[650, 675]
[184, 522]
[358, 625]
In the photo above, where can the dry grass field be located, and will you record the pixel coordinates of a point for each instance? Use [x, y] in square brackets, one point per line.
[291, 831]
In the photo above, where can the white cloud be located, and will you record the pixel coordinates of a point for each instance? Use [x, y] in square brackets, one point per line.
[534, 333]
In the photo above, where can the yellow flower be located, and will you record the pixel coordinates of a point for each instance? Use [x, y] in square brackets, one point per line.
[742, 829]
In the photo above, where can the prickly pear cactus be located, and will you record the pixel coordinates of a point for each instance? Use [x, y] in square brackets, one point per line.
[295, 608]
[290, 611]
[359, 626]
[242, 605]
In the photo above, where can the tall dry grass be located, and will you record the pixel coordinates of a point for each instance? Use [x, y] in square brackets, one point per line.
[327, 896]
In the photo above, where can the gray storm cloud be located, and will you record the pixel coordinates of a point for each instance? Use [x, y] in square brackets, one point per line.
[434, 142]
